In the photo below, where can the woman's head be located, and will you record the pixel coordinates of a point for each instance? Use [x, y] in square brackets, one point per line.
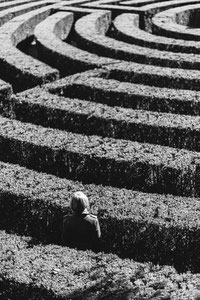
[79, 203]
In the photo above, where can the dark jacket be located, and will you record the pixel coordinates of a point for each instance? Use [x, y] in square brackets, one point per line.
[81, 231]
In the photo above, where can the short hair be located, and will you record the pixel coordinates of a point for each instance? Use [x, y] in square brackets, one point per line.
[79, 202]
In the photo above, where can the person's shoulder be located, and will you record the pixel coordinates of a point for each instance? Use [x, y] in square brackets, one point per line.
[67, 218]
[92, 218]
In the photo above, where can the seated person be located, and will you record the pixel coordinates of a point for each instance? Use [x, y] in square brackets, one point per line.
[81, 230]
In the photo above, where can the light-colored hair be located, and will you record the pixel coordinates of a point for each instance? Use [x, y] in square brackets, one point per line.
[79, 202]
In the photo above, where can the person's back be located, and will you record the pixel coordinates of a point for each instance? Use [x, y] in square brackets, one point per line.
[81, 230]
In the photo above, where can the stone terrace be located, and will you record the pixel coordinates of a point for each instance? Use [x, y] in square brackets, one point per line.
[104, 97]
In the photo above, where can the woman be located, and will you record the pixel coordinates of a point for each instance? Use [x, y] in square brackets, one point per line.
[81, 230]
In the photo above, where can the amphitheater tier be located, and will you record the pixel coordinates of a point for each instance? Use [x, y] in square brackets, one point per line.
[103, 97]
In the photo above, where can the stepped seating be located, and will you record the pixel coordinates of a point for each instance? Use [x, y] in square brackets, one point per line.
[125, 131]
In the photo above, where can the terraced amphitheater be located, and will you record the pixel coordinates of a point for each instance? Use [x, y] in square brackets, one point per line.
[103, 97]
